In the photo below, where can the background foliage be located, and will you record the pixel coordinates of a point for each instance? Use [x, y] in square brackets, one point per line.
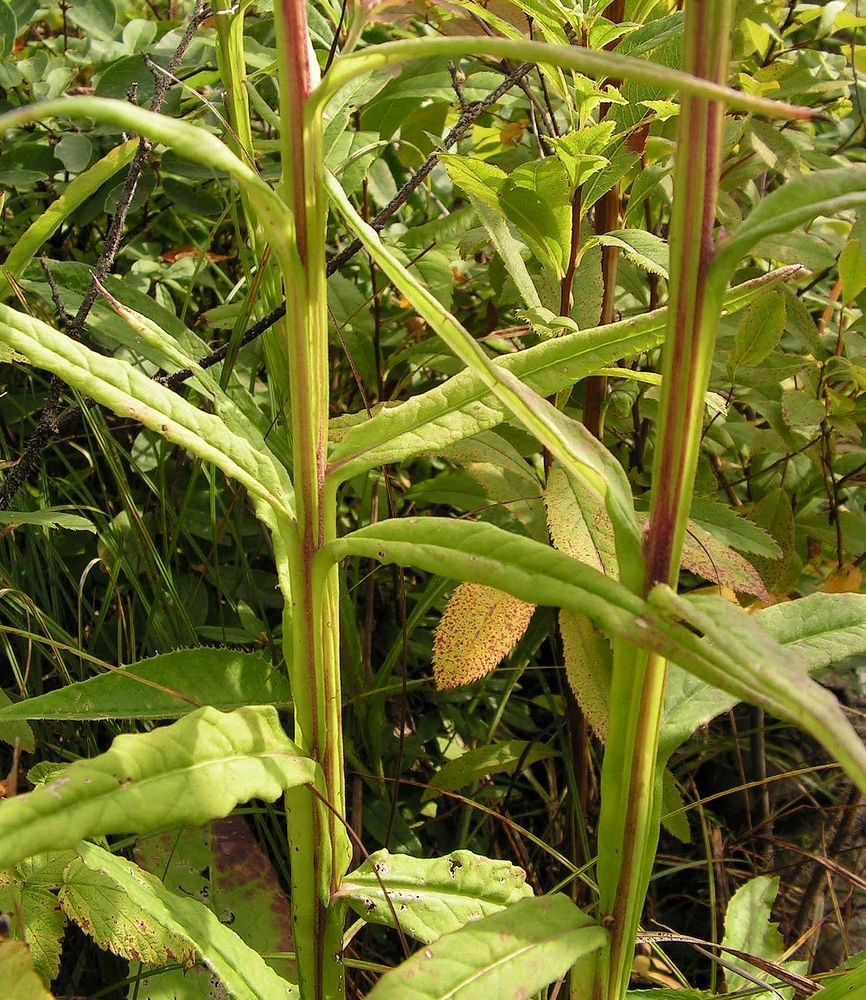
[121, 547]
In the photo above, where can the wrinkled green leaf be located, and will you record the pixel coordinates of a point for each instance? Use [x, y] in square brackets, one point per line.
[463, 406]
[194, 770]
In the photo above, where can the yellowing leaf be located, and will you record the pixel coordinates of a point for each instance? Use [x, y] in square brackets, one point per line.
[480, 625]
[848, 579]
[17, 975]
[512, 133]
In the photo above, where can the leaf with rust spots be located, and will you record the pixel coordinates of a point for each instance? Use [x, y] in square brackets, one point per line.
[588, 667]
[130, 911]
[479, 627]
[102, 909]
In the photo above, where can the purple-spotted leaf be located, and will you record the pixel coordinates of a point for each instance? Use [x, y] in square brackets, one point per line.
[479, 627]
[222, 865]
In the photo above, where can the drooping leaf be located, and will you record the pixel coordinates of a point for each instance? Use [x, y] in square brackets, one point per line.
[130, 912]
[47, 519]
[483, 761]
[480, 625]
[820, 629]
[127, 391]
[766, 674]
[509, 955]
[18, 978]
[432, 896]
[194, 770]
[482, 553]
[798, 201]
[166, 686]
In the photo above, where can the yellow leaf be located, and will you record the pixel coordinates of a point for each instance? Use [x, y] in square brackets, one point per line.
[512, 133]
[479, 626]
[848, 579]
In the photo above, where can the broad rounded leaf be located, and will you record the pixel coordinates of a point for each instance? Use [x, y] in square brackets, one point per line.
[432, 896]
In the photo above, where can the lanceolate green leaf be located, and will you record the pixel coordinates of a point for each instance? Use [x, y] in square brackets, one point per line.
[735, 654]
[128, 910]
[823, 192]
[511, 954]
[129, 393]
[464, 406]
[567, 440]
[482, 761]
[166, 686]
[194, 770]
[482, 553]
[186, 140]
[432, 896]
[583, 60]
[81, 188]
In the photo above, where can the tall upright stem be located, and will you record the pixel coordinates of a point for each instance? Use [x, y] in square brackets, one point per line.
[631, 778]
[319, 845]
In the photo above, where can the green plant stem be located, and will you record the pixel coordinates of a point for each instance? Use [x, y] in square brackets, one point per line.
[320, 848]
[627, 842]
